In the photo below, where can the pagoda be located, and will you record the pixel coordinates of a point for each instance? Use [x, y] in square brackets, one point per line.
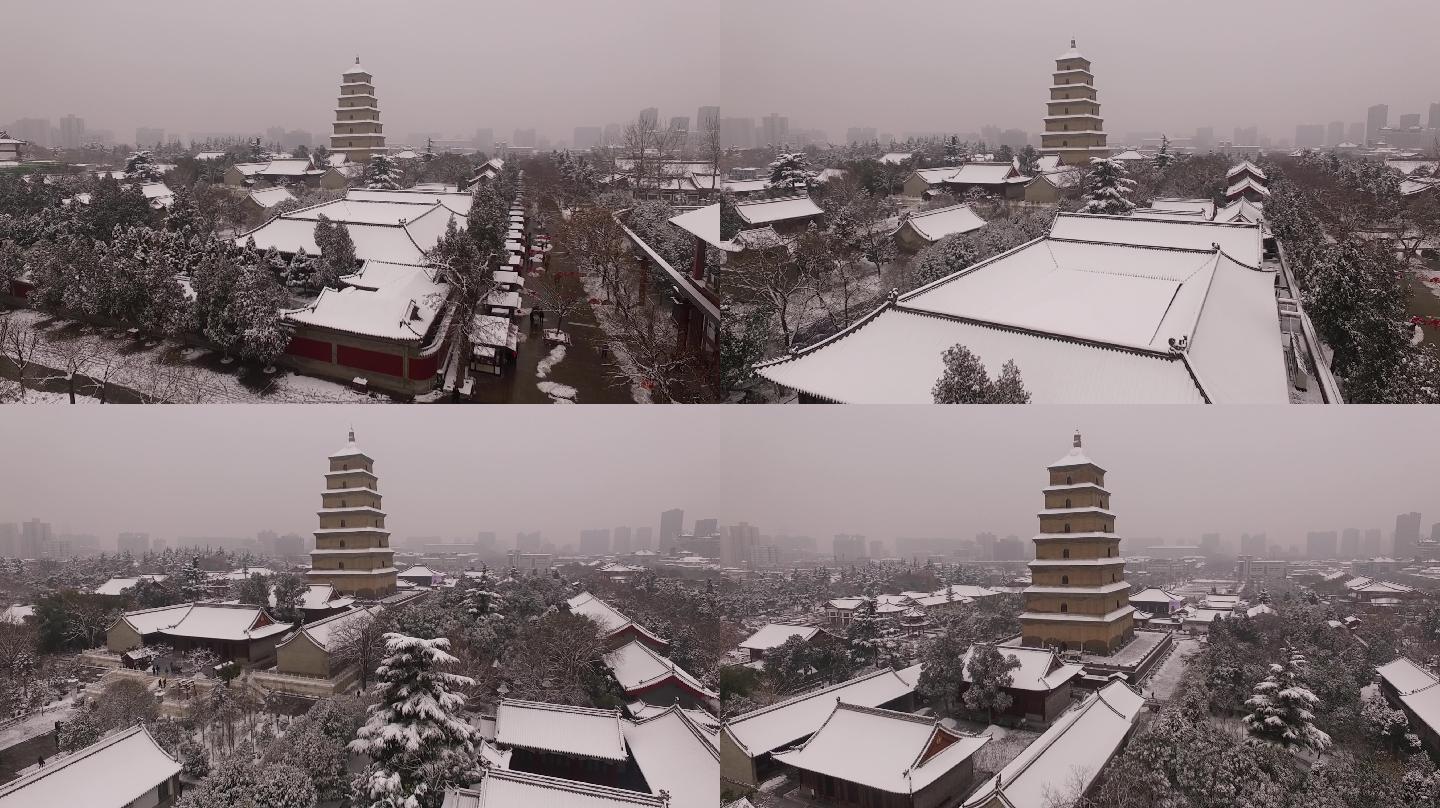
[352, 547]
[1074, 130]
[1078, 598]
[358, 131]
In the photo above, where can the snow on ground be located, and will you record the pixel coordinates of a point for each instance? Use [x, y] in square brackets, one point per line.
[551, 360]
[10, 394]
[559, 393]
[37, 723]
[175, 373]
[1162, 681]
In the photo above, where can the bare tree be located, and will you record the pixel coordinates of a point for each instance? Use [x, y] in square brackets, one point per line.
[18, 345]
[359, 641]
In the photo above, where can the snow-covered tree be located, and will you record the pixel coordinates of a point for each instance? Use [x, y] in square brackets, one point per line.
[382, 174]
[140, 167]
[989, 673]
[259, 300]
[1282, 709]
[865, 632]
[1163, 158]
[792, 171]
[1108, 187]
[966, 381]
[240, 781]
[337, 253]
[416, 739]
[1389, 727]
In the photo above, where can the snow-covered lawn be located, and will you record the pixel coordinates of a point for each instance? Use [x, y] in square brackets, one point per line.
[172, 372]
[10, 393]
[37, 723]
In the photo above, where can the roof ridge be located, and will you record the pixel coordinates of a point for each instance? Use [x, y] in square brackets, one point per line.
[810, 695]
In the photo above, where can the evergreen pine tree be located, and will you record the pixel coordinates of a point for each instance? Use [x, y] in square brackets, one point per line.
[1163, 158]
[1282, 709]
[988, 673]
[381, 174]
[1108, 187]
[416, 740]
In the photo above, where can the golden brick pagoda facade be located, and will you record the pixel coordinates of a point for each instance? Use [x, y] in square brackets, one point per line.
[1078, 599]
[352, 547]
[1074, 129]
[358, 134]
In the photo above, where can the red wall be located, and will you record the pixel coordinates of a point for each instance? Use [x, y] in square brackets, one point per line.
[373, 361]
[423, 367]
[309, 348]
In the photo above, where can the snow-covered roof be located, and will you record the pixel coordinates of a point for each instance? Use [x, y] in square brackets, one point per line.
[769, 728]
[1411, 166]
[387, 241]
[494, 331]
[250, 169]
[1247, 183]
[637, 667]
[611, 620]
[113, 772]
[209, 155]
[895, 158]
[983, 174]
[775, 635]
[933, 225]
[1414, 185]
[456, 201]
[1155, 594]
[270, 197]
[1245, 166]
[703, 223]
[965, 591]
[1241, 242]
[1041, 669]
[356, 69]
[238, 623]
[323, 632]
[934, 176]
[506, 788]
[578, 731]
[16, 615]
[1241, 210]
[297, 167]
[676, 755]
[386, 300]
[1069, 755]
[779, 209]
[320, 596]
[1129, 155]
[1202, 209]
[745, 186]
[119, 586]
[891, 751]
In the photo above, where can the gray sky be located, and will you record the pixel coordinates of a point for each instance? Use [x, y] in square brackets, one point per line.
[439, 65]
[448, 471]
[931, 65]
[1174, 472]
[927, 65]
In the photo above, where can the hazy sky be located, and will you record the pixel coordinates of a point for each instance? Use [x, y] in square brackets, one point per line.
[1175, 472]
[927, 65]
[447, 471]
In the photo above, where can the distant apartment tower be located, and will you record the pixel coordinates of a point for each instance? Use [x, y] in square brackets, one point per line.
[1253, 544]
[1376, 118]
[680, 123]
[1410, 120]
[1335, 133]
[621, 540]
[1355, 133]
[9, 539]
[1407, 534]
[1309, 135]
[1350, 542]
[644, 539]
[1010, 548]
[35, 131]
[35, 538]
[1321, 544]
[737, 548]
[860, 134]
[358, 133]
[849, 548]
[1246, 136]
[1210, 544]
[1074, 130]
[133, 543]
[587, 137]
[595, 541]
[1435, 115]
[707, 118]
[72, 132]
[707, 527]
[649, 116]
[774, 130]
[672, 522]
[877, 548]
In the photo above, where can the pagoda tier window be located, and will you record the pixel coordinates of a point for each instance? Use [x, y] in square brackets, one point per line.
[1067, 503]
[1065, 553]
[341, 565]
[1068, 480]
[342, 544]
[342, 523]
[1064, 579]
[1064, 608]
[1067, 527]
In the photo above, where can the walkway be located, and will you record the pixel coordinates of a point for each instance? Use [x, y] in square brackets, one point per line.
[1163, 680]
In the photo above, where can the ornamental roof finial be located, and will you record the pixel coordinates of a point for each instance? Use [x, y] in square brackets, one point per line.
[352, 433]
[1076, 444]
[1072, 44]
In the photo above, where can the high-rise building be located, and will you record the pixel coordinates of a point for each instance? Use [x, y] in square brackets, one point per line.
[649, 116]
[1074, 130]
[614, 134]
[737, 547]
[1355, 133]
[1322, 544]
[680, 123]
[1310, 134]
[1370, 545]
[985, 543]
[1350, 542]
[621, 537]
[352, 547]
[595, 541]
[35, 539]
[707, 118]
[1376, 118]
[1078, 599]
[358, 134]
[849, 548]
[1434, 122]
[72, 132]
[1335, 133]
[1407, 535]
[707, 527]
[1410, 120]
[1010, 548]
[133, 543]
[587, 137]
[672, 522]
[644, 538]
[1246, 136]
[35, 131]
[877, 548]
[9, 539]
[774, 130]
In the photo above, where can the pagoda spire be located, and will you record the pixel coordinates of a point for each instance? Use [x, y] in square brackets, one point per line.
[1076, 443]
